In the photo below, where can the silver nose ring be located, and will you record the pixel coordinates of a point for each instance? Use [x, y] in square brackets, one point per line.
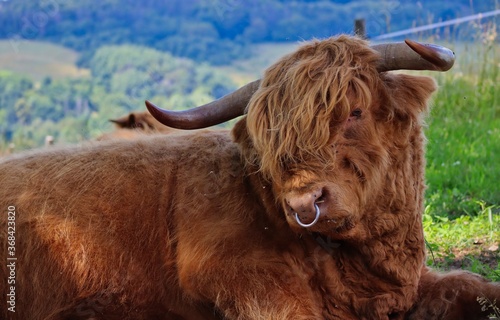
[307, 225]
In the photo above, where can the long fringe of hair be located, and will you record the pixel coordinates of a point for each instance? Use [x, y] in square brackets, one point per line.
[303, 100]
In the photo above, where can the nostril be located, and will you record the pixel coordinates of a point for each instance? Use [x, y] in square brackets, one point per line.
[318, 193]
[320, 196]
[320, 199]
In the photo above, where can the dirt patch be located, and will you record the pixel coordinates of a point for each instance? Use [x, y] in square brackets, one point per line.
[479, 256]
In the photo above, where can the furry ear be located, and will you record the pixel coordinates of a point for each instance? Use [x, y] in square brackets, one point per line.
[125, 122]
[240, 133]
[410, 94]
[242, 138]
[132, 123]
[239, 130]
[402, 101]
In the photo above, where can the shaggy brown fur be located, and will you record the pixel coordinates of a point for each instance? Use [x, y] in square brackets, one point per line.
[135, 125]
[453, 296]
[197, 226]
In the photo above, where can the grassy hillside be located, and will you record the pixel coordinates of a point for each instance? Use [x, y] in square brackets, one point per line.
[39, 60]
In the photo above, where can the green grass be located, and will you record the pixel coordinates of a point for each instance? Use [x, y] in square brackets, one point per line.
[462, 221]
[39, 59]
[464, 133]
[466, 242]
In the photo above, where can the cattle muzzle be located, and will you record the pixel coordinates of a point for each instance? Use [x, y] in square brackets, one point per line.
[304, 206]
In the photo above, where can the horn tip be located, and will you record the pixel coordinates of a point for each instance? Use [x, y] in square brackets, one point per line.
[410, 42]
[153, 109]
[167, 117]
[441, 57]
[150, 105]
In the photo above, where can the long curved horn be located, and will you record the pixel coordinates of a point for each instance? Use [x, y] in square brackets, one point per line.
[226, 108]
[409, 55]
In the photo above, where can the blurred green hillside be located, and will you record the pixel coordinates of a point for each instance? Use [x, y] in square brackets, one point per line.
[48, 95]
[215, 31]
[68, 66]
[40, 59]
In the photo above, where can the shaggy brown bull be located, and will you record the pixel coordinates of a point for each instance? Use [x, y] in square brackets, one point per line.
[311, 211]
[135, 125]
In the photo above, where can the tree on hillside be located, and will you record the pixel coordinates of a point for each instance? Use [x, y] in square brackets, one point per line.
[122, 78]
[140, 73]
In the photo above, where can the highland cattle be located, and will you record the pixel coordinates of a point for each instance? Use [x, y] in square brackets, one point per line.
[135, 125]
[311, 209]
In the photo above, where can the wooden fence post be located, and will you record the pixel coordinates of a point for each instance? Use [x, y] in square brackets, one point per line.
[360, 28]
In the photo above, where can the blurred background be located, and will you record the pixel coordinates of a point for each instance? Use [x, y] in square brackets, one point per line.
[68, 66]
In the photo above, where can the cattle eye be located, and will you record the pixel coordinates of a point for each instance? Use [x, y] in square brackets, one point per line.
[356, 113]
